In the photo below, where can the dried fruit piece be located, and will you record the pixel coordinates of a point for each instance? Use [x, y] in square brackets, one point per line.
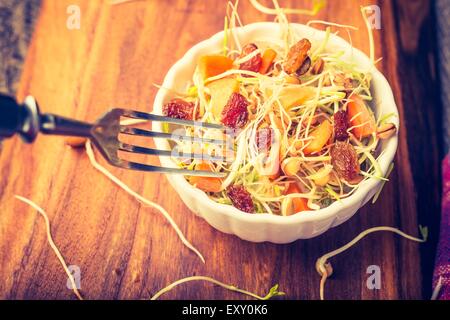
[267, 59]
[264, 139]
[180, 109]
[254, 63]
[296, 56]
[294, 205]
[241, 198]
[340, 125]
[210, 66]
[293, 96]
[235, 113]
[304, 67]
[207, 184]
[319, 137]
[318, 66]
[360, 117]
[221, 91]
[345, 161]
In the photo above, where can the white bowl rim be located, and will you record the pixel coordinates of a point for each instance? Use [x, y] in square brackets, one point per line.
[307, 216]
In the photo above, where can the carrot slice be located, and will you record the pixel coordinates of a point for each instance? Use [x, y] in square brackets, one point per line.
[320, 136]
[361, 117]
[221, 91]
[292, 96]
[208, 184]
[211, 66]
[267, 58]
[300, 204]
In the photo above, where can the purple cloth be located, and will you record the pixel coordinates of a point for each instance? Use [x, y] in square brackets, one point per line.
[442, 266]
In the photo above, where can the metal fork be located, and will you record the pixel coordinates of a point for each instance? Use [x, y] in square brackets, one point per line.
[26, 120]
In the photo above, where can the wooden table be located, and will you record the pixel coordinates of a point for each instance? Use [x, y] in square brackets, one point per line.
[128, 251]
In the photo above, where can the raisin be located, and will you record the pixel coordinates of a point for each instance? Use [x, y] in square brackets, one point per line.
[340, 125]
[345, 161]
[304, 67]
[180, 109]
[241, 198]
[296, 56]
[254, 63]
[264, 139]
[235, 113]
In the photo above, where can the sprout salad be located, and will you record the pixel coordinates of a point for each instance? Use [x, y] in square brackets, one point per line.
[304, 134]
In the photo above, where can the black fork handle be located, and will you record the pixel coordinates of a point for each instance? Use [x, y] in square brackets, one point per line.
[26, 120]
[12, 116]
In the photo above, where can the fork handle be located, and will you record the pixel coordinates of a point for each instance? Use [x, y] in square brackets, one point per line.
[26, 120]
[54, 124]
[11, 116]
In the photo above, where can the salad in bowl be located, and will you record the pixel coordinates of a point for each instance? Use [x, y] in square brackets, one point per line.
[310, 129]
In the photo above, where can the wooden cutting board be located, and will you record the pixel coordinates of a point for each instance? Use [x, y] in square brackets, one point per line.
[128, 251]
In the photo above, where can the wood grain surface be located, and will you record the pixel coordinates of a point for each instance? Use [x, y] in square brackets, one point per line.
[128, 251]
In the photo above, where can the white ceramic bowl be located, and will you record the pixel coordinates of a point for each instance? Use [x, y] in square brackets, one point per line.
[267, 227]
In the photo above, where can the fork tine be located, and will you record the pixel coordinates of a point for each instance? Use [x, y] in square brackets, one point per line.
[155, 117]
[170, 136]
[167, 153]
[150, 168]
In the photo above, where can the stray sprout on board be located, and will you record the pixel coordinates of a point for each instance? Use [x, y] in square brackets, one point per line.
[324, 268]
[141, 199]
[272, 293]
[52, 243]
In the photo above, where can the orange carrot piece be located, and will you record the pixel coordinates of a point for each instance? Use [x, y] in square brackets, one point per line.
[360, 116]
[293, 96]
[320, 137]
[267, 58]
[211, 66]
[208, 184]
[300, 204]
